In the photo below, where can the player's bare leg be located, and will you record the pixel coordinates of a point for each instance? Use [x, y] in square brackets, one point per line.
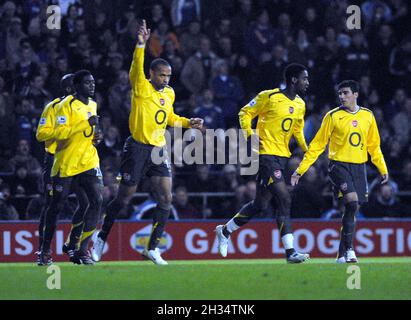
[161, 187]
[113, 208]
[245, 214]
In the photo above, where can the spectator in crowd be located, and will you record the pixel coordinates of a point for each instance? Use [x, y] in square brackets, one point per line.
[111, 146]
[7, 118]
[260, 36]
[23, 184]
[198, 68]
[37, 93]
[307, 198]
[119, 102]
[7, 210]
[385, 204]
[190, 39]
[356, 58]
[24, 158]
[24, 70]
[400, 61]
[396, 104]
[182, 204]
[160, 36]
[401, 123]
[185, 11]
[228, 93]
[209, 111]
[229, 180]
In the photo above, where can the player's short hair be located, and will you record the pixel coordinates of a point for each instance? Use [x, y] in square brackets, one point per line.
[66, 81]
[79, 76]
[352, 84]
[156, 63]
[293, 70]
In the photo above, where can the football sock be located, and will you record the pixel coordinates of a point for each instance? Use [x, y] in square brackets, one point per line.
[159, 221]
[348, 222]
[113, 208]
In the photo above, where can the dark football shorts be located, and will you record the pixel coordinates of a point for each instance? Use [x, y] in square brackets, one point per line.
[47, 165]
[137, 162]
[86, 180]
[271, 169]
[349, 177]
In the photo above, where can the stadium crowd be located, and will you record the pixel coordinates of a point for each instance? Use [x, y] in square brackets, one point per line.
[223, 52]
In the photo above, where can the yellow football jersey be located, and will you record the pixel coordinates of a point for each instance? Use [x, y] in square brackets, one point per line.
[75, 152]
[151, 110]
[279, 118]
[45, 128]
[351, 137]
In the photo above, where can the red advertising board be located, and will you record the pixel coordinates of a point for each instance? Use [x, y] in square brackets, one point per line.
[196, 240]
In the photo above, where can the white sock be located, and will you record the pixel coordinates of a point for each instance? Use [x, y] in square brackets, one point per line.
[288, 241]
[231, 226]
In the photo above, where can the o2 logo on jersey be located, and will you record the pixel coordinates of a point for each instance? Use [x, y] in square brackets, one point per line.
[140, 239]
[354, 123]
[291, 110]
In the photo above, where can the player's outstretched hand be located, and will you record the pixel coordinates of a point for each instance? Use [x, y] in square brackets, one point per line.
[385, 178]
[295, 177]
[143, 34]
[98, 137]
[196, 123]
[93, 120]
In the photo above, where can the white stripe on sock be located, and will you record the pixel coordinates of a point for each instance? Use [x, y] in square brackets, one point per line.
[231, 226]
[288, 241]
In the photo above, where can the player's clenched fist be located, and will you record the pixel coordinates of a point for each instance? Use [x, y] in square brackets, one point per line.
[196, 123]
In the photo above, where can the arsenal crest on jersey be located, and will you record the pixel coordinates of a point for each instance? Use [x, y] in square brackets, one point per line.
[162, 101]
[355, 123]
[291, 109]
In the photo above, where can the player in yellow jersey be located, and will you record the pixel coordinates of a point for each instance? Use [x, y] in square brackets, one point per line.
[75, 162]
[45, 133]
[352, 133]
[280, 116]
[151, 112]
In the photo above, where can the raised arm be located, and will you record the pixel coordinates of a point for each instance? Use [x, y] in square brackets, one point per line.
[137, 76]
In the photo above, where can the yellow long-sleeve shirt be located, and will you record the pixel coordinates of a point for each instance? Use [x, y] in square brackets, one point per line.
[151, 110]
[351, 137]
[279, 118]
[45, 128]
[75, 152]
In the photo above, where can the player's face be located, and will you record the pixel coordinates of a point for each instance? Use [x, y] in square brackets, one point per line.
[87, 86]
[160, 77]
[347, 97]
[302, 82]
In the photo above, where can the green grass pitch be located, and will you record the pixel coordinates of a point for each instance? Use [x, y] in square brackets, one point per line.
[381, 278]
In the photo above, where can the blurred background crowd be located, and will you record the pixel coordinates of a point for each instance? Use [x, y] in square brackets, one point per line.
[223, 52]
